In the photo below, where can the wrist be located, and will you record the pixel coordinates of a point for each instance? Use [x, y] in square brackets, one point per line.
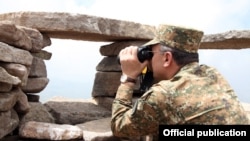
[128, 84]
[126, 79]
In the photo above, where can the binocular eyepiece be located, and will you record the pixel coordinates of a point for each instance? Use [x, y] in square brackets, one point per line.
[143, 53]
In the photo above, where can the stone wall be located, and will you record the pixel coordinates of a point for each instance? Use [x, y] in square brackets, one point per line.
[23, 73]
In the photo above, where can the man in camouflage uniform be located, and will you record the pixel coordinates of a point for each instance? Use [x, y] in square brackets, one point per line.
[184, 91]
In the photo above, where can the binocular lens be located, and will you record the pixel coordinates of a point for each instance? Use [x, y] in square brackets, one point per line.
[143, 53]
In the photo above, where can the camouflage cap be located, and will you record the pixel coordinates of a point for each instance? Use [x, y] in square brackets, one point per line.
[182, 38]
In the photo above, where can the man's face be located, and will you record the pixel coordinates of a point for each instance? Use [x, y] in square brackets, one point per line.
[156, 63]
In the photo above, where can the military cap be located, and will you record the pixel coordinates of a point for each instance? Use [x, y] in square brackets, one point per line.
[182, 38]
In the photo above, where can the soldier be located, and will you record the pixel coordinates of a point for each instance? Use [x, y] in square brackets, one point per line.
[183, 92]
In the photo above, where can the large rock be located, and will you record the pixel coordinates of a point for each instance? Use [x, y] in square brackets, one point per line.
[49, 131]
[14, 55]
[35, 85]
[75, 112]
[97, 130]
[38, 113]
[5, 87]
[15, 99]
[17, 70]
[9, 122]
[113, 49]
[8, 100]
[22, 105]
[81, 27]
[38, 40]
[92, 28]
[43, 54]
[5, 77]
[100, 130]
[109, 64]
[38, 68]
[228, 40]
[12, 35]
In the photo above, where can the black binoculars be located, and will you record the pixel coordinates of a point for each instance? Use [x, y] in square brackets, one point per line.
[143, 53]
[146, 80]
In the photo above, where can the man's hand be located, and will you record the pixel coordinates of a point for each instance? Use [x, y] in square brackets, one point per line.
[130, 64]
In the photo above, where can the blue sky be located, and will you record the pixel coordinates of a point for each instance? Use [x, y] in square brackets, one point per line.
[71, 69]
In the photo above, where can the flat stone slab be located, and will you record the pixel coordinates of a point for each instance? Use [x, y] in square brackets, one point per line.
[92, 28]
[67, 111]
[233, 39]
[49, 131]
[80, 27]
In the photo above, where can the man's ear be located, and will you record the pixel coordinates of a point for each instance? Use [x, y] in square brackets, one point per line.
[168, 58]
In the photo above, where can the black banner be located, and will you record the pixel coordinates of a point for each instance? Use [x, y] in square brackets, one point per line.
[203, 132]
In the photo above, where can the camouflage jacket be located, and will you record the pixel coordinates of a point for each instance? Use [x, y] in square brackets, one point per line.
[197, 94]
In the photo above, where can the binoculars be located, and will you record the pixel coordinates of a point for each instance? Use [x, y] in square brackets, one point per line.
[146, 79]
[143, 53]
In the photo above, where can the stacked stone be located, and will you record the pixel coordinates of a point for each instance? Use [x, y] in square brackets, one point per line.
[107, 78]
[77, 27]
[22, 72]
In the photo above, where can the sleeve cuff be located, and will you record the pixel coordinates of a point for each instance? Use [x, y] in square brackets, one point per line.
[124, 92]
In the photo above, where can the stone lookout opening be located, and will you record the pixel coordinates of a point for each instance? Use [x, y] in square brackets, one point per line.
[71, 69]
